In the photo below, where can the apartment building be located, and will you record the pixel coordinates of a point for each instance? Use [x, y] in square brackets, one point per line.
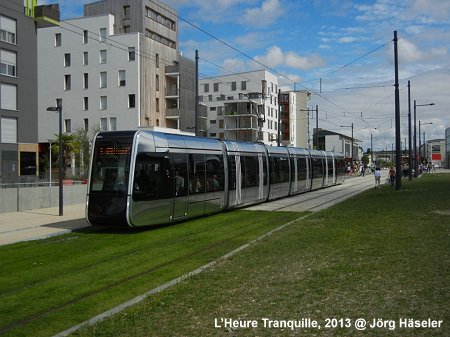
[167, 81]
[242, 106]
[295, 121]
[19, 149]
[116, 68]
[93, 74]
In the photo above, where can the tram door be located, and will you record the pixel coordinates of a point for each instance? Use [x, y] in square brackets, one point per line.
[180, 185]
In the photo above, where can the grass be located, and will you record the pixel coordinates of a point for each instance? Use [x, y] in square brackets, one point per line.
[50, 285]
[384, 254]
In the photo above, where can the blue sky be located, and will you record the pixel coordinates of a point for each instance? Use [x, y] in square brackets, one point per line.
[346, 43]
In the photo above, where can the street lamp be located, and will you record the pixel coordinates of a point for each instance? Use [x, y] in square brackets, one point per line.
[416, 164]
[351, 149]
[59, 110]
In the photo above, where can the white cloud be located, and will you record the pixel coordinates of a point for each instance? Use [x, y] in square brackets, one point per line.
[276, 57]
[263, 16]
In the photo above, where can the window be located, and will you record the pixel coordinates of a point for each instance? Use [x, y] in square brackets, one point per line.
[85, 81]
[157, 104]
[85, 36]
[9, 130]
[221, 123]
[126, 29]
[103, 124]
[233, 86]
[206, 87]
[85, 58]
[67, 126]
[131, 54]
[8, 96]
[122, 80]
[102, 34]
[216, 86]
[102, 57]
[103, 79]
[157, 60]
[67, 82]
[67, 60]
[85, 103]
[212, 121]
[212, 134]
[243, 85]
[157, 83]
[58, 39]
[126, 12]
[103, 102]
[86, 124]
[131, 100]
[112, 123]
[8, 60]
[7, 29]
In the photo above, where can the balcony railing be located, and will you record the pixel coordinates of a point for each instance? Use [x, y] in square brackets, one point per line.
[172, 91]
[172, 112]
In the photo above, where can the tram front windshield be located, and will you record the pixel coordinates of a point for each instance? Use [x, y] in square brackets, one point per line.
[110, 165]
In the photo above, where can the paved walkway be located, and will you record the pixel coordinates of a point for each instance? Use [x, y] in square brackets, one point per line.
[40, 223]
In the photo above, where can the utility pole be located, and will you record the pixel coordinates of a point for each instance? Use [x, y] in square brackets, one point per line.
[279, 119]
[398, 159]
[409, 133]
[196, 93]
[317, 127]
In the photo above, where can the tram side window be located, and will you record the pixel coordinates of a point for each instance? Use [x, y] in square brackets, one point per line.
[214, 173]
[180, 175]
[251, 171]
[196, 173]
[280, 169]
[151, 177]
[330, 166]
[301, 168]
[232, 172]
[317, 167]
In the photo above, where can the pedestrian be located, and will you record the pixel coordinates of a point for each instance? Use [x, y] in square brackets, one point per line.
[377, 175]
[392, 175]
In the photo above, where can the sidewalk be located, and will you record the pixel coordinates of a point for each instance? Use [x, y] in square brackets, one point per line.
[40, 223]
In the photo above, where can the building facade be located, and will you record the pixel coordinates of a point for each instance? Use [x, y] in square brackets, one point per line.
[242, 106]
[19, 147]
[167, 79]
[447, 148]
[295, 118]
[434, 152]
[91, 74]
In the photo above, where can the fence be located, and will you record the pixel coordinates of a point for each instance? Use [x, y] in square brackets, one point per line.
[26, 196]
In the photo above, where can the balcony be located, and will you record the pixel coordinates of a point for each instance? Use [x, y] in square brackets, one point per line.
[172, 71]
[172, 92]
[46, 15]
[173, 113]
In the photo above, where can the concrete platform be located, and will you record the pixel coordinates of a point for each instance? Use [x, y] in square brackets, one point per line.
[40, 223]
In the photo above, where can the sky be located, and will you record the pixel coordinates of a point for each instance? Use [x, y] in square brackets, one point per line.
[340, 50]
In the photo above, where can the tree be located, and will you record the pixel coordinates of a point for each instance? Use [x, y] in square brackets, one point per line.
[68, 148]
[365, 159]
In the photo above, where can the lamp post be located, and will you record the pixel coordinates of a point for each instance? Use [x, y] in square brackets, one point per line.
[416, 164]
[351, 149]
[59, 110]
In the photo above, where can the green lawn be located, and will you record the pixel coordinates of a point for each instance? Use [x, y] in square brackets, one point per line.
[50, 285]
[384, 254]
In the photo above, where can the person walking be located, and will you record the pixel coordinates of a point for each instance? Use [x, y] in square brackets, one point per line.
[377, 175]
[392, 175]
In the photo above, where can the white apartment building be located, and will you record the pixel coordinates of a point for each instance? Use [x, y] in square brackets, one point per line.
[93, 74]
[242, 106]
[295, 118]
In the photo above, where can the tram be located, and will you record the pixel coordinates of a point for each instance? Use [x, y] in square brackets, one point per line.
[144, 178]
